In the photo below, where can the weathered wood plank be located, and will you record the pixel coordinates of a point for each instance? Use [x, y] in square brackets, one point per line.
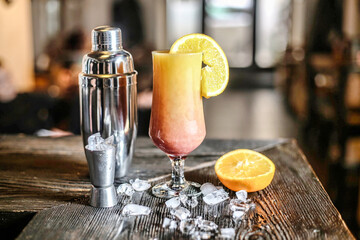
[294, 206]
[39, 173]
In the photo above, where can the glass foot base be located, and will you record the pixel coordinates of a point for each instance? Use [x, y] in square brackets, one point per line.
[163, 190]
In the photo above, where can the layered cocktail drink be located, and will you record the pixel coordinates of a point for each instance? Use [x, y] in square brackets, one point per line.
[177, 125]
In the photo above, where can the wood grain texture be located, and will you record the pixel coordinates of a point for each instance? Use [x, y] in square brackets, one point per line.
[39, 173]
[294, 206]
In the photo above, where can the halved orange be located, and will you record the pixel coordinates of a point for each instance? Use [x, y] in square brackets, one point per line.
[245, 169]
[215, 74]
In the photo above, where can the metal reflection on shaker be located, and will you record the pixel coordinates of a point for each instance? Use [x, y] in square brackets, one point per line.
[108, 95]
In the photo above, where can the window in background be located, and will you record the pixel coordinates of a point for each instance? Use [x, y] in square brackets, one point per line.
[53, 17]
[230, 23]
[182, 17]
[46, 21]
[272, 31]
[253, 33]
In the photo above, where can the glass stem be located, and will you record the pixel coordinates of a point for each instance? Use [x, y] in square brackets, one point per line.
[178, 181]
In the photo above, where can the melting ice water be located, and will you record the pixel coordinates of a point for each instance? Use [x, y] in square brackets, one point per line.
[135, 210]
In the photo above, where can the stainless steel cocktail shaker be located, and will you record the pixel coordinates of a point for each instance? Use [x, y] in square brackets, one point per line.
[108, 95]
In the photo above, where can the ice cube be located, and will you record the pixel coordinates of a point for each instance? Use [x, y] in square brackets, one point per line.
[241, 195]
[95, 139]
[97, 143]
[181, 213]
[126, 189]
[187, 226]
[207, 188]
[238, 214]
[166, 222]
[135, 210]
[191, 202]
[183, 198]
[173, 202]
[173, 224]
[227, 232]
[141, 185]
[239, 205]
[216, 197]
[206, 225]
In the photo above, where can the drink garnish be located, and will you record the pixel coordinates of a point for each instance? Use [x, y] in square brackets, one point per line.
[215, 73]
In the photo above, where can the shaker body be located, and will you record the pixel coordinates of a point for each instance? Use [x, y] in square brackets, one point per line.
[108, 105]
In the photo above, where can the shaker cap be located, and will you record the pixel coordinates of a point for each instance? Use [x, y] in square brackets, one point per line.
[106, 38]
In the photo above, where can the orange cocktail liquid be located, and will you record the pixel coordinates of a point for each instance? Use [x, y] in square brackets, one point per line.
[177, 123]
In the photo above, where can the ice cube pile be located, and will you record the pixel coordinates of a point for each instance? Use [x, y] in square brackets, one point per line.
[97, 143]
[199, 228]
[180, 218]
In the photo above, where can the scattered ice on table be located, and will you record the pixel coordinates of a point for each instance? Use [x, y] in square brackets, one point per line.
[216, 197]
[140, 185]
[173, 224]
[135, 210]
[207, 188]
[242, 195]
[206, 225]
[227, 232]
[238, 214]
[166, 222]
[97, 143]
[188, 226]
[173, 202]
[181, 213]
[126, 189]
[191, 202]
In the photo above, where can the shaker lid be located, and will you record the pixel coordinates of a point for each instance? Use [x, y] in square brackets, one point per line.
[106, 38]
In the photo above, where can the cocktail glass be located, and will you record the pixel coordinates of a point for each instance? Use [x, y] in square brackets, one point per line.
[177, 125]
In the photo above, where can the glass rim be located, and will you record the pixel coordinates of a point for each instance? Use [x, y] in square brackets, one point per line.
[167, 52]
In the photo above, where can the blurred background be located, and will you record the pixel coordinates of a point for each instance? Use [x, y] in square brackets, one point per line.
[295, 71]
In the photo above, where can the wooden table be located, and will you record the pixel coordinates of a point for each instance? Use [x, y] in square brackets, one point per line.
[44, 186]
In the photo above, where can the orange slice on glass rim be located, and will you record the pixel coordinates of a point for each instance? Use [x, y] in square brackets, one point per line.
[215, 73]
